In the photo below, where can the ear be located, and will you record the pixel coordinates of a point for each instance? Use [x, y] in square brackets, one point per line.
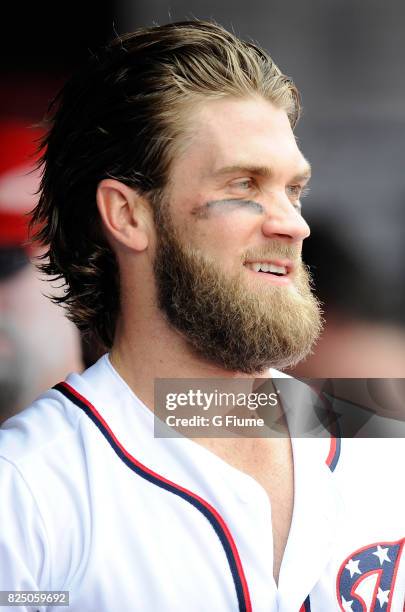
[124, 213]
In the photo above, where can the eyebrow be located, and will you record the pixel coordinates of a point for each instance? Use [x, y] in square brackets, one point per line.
[258, 170]
[305, 175]
[263, 171]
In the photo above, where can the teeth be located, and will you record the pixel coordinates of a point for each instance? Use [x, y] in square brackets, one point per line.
[264, 267]
[277, 269]
[267, 267]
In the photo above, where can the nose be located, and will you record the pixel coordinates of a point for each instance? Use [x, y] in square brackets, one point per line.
[284, 221]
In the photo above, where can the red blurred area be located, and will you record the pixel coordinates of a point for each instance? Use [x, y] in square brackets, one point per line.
[19, 179]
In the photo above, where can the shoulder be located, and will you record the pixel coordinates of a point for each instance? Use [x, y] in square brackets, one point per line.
[50, 420]
[50, 426]
[38, 448]
[46, 452]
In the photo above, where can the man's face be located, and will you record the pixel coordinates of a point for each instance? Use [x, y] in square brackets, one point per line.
[229, 238]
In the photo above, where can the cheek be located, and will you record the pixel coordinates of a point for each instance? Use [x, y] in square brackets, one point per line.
[218, 235]
[224, 241]
[234, 230]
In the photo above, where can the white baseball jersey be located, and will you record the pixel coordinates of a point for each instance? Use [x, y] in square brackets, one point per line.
[93, 504]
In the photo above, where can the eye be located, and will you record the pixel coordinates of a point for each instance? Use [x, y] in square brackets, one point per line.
[243, 184]
[296, 193]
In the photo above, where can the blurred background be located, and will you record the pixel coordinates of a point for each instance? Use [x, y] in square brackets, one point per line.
[346, 57]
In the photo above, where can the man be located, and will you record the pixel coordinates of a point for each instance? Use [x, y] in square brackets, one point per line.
[171, 205]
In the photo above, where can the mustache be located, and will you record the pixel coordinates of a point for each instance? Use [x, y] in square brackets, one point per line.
[272, 250]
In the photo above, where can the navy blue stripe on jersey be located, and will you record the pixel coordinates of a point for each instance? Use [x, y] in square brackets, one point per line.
[306, 606]
[216, 521]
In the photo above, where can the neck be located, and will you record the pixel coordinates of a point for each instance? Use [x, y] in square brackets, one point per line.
[142, 353]
[152, 349]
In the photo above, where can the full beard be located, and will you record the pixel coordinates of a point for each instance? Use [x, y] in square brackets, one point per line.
[225, 321]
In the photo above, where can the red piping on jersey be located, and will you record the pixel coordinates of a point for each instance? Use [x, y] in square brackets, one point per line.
[332, 451]
[211, 509]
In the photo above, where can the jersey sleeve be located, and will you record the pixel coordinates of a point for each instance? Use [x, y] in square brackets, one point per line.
[24, 555]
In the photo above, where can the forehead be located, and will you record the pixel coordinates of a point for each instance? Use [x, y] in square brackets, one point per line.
[238, 132]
